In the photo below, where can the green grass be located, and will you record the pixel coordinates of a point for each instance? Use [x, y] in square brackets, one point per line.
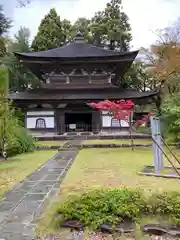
[117, 141]
[17, 168]
[107, 168]
[50, 143]
[114, 168]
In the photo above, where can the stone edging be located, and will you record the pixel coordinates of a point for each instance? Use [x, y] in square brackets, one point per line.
[47, 147]
[85, 146]
[91, 137]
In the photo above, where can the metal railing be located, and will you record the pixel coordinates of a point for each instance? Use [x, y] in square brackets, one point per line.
[62, 128]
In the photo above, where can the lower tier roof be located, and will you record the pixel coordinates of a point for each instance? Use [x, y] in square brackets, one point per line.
[86, 94]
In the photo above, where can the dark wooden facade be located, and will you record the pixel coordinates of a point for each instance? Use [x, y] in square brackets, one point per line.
[71, 76]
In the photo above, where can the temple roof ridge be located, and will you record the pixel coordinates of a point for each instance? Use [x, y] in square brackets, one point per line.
[78, 48]
[79, 37]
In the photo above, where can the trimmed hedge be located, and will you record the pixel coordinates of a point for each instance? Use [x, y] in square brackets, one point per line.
[113, 205]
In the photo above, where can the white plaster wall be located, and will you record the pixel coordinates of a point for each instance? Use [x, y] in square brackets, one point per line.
[40, 113]
[124, 123]
[104, 112]
[31, 122]
[106, 122]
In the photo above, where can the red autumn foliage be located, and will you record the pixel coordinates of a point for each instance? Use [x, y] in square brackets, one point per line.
[120, 110]
[113, 105]
[145, 119]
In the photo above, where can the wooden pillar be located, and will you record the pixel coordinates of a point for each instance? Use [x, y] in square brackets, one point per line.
[61, 122]
[96, 121]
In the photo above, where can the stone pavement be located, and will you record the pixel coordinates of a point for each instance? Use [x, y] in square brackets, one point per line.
[24, 204]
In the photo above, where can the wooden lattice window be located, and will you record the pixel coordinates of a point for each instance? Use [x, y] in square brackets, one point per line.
[40, 123]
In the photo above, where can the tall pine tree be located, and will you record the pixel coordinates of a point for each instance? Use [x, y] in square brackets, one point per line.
[111, 27]
[50, 34]
[20, 78]
[5, 22]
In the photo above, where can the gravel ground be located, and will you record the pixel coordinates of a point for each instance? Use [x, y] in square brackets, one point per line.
[101, 236]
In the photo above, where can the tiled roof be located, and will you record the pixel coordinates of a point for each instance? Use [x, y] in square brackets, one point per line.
[114, 93]
[77, 49]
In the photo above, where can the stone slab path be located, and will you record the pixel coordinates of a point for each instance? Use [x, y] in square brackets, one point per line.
[24, 204]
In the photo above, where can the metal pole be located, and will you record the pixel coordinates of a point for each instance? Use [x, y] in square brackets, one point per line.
[154, 146]
[157, 152]
[173, 166]
[160, 153]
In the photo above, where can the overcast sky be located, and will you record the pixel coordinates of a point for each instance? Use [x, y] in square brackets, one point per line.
[145, 16]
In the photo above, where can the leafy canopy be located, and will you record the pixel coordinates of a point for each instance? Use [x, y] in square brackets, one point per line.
[171, 115]
[109, 27]
[50, 34]
[5, 22]
[5, 25]
[17, 139]
[20, 78]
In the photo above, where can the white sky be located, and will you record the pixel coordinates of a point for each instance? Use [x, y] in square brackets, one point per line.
[145, 16]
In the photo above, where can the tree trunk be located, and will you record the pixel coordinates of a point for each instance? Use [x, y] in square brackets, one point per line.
[112, 46]
[158, 102]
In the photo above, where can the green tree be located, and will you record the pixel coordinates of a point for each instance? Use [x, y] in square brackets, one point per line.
[171, 115]
[164, 63]
[111, 27]
[22, 42]
[20, 78]
[17, 139]
[5, 123]
[82, 25]
[2, 47]
[67, 31]
[138, 77]
[50, 34]
[5, 24]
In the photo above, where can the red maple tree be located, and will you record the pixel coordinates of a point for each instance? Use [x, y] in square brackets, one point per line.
[120, 110]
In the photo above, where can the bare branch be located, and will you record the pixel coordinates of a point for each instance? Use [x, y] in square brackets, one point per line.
[23, 3]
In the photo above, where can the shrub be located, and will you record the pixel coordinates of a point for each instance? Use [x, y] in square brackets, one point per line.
[166, 204]
[171, 115]
[106, 205]
[113, 205]
[20, 142]
[17, 138]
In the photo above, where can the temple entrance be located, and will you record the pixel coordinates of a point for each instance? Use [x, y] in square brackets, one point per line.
[78, 122]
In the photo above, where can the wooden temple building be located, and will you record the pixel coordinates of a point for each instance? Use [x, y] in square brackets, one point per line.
[71, 76]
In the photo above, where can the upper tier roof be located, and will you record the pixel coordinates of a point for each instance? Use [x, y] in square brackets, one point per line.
[78, 49]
